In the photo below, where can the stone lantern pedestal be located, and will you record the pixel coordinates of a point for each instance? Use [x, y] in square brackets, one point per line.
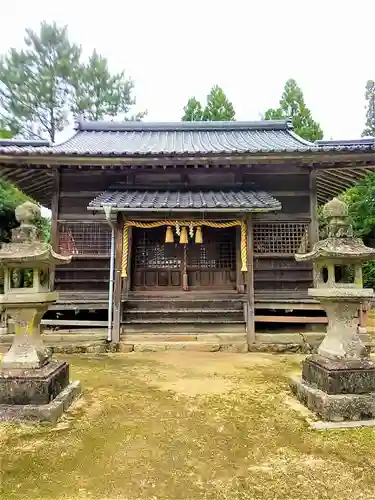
[338, 383]
[33, 387]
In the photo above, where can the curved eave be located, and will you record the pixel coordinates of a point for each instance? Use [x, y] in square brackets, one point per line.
[332, 182]
[36, 183]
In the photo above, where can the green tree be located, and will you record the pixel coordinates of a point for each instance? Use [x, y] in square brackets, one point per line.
[100, 94]
[361, 204]
[10, 198]
[193, 111]
[370, 109]
[292, 106]
[4, 132]
[217, 108]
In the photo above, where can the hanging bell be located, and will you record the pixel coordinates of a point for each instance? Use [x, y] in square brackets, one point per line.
[198, 235]
[169, 235]
[183, 236]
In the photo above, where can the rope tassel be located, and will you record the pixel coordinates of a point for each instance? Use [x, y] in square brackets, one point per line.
[125, 252]
[169, 235]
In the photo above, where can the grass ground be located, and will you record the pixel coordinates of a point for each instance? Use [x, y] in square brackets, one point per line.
[184, 426]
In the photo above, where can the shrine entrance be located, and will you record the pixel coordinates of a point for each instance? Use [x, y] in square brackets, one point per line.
[175, 266]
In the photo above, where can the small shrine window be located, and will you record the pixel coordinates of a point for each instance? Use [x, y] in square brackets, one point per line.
[344, 274]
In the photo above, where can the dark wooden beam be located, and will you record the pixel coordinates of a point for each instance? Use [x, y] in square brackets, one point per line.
[55, 215]
[324, 159]
[55, 209]
[335, 183]
[250, 303]
[314, 225]
[239, 274]
[118, 281]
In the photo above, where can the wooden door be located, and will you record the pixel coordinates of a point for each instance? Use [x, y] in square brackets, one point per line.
[161, 266]
[212, 264]
[156, 264]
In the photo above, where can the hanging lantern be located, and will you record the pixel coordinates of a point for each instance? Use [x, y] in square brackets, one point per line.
[198, 235]
[169, 235]
[183, 236]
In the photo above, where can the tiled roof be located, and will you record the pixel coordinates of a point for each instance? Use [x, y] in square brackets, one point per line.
[181, 138]
[364, 142]
[122, 139]
[245, 201]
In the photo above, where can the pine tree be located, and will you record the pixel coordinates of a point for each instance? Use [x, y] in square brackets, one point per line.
[35, 82]
[44, 83]
[99, 94]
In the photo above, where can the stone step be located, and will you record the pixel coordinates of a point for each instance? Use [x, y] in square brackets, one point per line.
[185, 310]
[182, 303]
[206, 337]
[73, 347]
[181, 328]
[126, 346]
[62, 337]
[217, 321]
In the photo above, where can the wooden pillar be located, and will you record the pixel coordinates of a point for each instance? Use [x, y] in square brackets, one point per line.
[55, 216]
[250, 310]
[55, 209]
[118, 281]
[314, 223]
[239, 274]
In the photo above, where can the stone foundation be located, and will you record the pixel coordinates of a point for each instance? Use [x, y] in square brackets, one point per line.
[39, 395]
[339, 377]
[37, 386]
[337, 390]
[334, 407]
[50, 412]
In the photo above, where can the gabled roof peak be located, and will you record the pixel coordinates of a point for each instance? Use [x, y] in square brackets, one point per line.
[225, 126]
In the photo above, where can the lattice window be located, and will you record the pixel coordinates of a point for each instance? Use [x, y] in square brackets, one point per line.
[152, 253]
[84, 238]
[216, 252]
[281, 237]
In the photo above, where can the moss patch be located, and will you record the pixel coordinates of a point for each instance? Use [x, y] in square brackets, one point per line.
[181, 426]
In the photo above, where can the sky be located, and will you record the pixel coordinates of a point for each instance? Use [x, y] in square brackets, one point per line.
[177, 49]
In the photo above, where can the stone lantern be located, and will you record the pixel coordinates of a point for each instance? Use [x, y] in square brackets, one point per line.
[339, 382]
[32, 385]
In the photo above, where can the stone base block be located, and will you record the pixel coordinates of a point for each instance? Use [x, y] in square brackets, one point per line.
[50, 412]
[37, 386]
[355, 376]
[334, 407]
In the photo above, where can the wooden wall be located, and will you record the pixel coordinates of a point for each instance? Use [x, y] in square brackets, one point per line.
[277, 236]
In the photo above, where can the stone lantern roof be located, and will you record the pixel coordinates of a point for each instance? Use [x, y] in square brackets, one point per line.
[26, 247]
[340, 243]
